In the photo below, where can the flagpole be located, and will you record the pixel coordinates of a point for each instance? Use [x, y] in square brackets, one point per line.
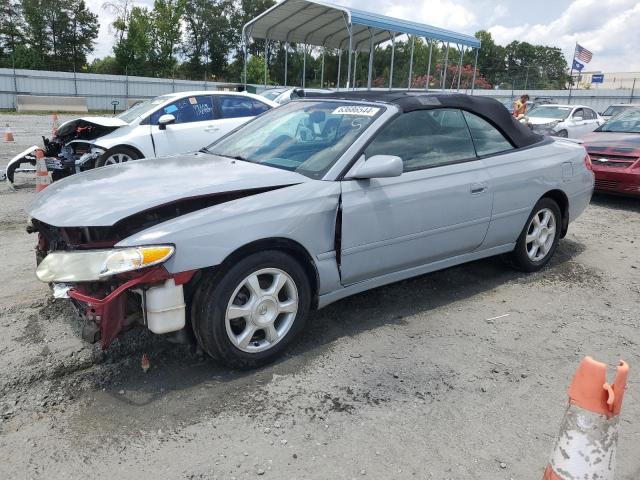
[575, 49]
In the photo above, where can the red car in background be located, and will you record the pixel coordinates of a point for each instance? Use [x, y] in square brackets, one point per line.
[614, 149]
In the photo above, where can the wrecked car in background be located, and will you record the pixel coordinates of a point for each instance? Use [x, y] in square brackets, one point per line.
[314, 201]
[165, 125]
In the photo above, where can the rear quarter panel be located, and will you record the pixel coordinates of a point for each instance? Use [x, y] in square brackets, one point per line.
[520, 178]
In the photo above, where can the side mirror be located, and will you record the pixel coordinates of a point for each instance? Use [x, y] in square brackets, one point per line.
[378, 166]
[577, 119]
[164, 120]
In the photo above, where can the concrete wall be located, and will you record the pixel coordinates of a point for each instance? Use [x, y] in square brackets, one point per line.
[99, 90]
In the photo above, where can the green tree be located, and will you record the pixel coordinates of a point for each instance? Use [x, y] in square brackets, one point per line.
[11, 30]
[255, 70]
[166, 35]
[491, 58]
[133, 46]
[60, 33]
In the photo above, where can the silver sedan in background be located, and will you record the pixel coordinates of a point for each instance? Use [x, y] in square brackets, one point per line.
[309, 203]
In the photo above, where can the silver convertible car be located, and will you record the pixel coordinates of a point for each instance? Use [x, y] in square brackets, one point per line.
[311, 202]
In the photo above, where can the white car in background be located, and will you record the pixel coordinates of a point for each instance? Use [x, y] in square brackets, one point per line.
[568, 121]
[165, 125]
[282, 95]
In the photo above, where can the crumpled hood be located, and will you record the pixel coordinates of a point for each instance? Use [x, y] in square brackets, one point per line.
[628, 142]
[542, 120]
[103, 196]
[109, 122]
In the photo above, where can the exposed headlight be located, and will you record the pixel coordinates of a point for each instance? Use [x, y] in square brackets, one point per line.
[92, 265]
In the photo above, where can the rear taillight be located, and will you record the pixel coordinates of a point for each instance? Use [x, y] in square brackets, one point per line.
[587, 162]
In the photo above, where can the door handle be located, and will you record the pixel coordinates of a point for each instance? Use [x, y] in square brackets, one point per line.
[477, 188]
[212, 129]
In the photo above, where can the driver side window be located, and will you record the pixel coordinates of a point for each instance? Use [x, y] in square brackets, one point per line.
[187, 110]
[578, 113]
[425, 139]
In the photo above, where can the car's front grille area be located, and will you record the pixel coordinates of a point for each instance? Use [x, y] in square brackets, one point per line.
[606, 184]
[613, 161]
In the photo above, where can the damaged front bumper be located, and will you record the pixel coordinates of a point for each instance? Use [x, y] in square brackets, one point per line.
[162, 304]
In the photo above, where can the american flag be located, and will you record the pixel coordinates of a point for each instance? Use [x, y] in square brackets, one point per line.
[583, 54]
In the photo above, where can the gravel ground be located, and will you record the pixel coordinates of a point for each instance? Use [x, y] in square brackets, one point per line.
[460, 374]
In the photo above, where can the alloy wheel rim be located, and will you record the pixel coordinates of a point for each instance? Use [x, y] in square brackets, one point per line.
[541, 234]
[261, 310]
[117, 158]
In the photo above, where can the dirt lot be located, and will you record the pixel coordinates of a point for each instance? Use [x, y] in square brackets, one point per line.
[459, 374]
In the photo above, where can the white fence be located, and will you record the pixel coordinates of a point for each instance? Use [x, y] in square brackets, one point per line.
[99, 90]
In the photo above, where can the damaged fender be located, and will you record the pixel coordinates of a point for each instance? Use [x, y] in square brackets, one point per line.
[28, 156]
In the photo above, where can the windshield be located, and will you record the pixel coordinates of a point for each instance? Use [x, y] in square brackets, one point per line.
[626, 122]
[139, 109]
[547, 111]
[307, 137]
[615, 109]
[271, 94]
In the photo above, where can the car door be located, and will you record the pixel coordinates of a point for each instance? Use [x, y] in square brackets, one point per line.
[234, 110]
[579, 125]
[192, 129]
[591, 120]
[439, 207]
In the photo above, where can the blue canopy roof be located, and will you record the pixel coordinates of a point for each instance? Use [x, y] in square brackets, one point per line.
[320, 23]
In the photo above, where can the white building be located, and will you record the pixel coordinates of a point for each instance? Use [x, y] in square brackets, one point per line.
[612, 80]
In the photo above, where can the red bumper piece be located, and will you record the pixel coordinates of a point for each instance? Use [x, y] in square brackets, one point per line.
[109, 312]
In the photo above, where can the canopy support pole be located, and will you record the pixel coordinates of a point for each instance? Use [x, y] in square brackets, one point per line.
[244, 54]
[370, 61]
[446, 63]
[460, 66]
[339, 65]
[304, 65]
[475, 67]
[266, 62]
[393, 52]
[355, 65]
[413, 40]
[350, 30]
[322, 70]
[286, 58]
[429, 66]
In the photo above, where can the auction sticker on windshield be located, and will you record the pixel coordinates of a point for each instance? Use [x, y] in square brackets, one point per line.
[356, 110]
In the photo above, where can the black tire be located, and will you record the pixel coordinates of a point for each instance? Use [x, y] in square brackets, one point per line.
[119, 151]
[562, 134]
[213, 295]
[519, 257]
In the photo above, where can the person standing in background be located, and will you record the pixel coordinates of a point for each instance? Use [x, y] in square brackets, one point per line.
[520, 106]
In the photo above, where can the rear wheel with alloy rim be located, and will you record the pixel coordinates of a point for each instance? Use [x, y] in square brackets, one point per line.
[116, 155]
[539, 238]
[247, 315]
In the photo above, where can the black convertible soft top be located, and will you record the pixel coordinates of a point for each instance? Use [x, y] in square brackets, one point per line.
[488, 108]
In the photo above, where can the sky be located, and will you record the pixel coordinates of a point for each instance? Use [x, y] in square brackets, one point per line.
[609, 28]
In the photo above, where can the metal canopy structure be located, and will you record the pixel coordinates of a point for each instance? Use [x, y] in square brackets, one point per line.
[322, 24]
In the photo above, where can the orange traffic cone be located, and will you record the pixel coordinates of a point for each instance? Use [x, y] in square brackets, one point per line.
[586, 445]
[8, 136]
[42, 174]
[54, 124]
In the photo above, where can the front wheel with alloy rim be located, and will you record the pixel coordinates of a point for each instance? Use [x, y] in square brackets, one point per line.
[116, 155]
[246, 315]
[539, 238]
